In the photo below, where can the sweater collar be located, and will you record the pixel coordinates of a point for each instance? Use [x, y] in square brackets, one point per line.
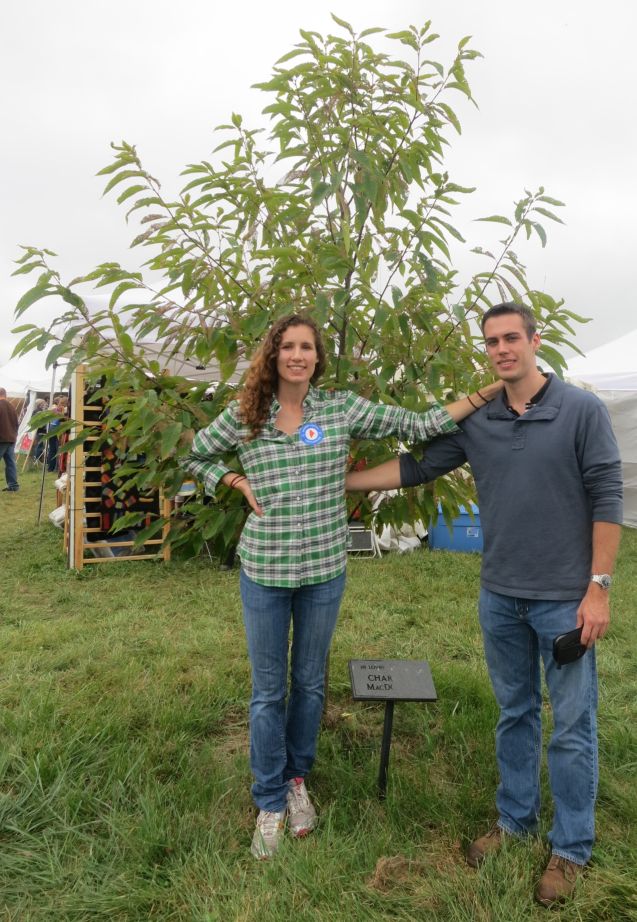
[546, 403]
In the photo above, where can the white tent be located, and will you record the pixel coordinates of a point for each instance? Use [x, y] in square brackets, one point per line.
[611, 372]
[26, 378]
[24, 374]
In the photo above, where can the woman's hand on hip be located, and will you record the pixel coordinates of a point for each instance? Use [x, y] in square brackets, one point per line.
[246, 489]
[240, 482]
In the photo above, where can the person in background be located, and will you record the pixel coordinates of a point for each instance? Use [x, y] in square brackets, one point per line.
[549, 482]
[39, 444]
[292, 440]
[60, 406]
[8, 436]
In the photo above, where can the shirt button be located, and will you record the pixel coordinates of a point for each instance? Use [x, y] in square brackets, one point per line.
[298, 497]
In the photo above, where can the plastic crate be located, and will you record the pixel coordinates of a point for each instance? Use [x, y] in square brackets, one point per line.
[465, 536]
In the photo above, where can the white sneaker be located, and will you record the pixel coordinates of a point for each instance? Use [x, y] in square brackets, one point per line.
[268, 834]
[302, 816]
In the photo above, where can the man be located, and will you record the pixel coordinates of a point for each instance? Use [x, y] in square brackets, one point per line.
[8, 436]
[548, 476]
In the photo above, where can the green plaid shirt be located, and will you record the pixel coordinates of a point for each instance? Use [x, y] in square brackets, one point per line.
[299, 480]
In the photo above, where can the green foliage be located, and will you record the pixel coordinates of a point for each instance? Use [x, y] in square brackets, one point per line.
[346, 212]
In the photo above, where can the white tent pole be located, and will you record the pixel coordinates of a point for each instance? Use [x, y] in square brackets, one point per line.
[46, 453]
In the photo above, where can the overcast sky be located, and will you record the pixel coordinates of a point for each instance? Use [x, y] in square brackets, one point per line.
[555, 91]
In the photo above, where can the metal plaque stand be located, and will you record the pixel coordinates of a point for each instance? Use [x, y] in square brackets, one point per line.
[390, 681]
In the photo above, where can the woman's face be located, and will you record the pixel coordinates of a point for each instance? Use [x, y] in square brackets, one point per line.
[297, 356]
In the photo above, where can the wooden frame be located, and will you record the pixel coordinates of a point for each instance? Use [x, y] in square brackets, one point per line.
[77, 524]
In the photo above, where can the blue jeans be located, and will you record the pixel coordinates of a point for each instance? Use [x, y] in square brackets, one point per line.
[52, 450]
[8, 453]
[283, 736]
[517, 632]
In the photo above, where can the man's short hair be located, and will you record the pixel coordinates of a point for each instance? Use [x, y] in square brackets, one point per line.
[3, 393]
[512, 307]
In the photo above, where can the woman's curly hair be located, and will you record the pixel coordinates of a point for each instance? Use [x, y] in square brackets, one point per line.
[262, 378]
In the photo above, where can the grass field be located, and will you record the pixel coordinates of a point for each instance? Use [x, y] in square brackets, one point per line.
[124, 778]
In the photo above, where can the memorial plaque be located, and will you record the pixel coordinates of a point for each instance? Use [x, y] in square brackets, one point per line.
[391, 680]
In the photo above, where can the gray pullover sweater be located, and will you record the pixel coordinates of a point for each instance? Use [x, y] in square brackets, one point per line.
[542, 479]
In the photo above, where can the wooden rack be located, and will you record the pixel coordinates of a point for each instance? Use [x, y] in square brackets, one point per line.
[80, 520]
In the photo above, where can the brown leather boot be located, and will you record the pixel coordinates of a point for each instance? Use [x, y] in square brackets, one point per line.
[485, 845]
[558, 881]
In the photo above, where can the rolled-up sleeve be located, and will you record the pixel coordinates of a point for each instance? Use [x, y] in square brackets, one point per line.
[367, 420]
[208, 447]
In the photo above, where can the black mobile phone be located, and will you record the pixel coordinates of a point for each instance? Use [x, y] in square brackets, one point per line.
[568, 647]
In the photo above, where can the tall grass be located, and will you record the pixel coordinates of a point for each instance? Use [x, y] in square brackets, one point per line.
[124, 777]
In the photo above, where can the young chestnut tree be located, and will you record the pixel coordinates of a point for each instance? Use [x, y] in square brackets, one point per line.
[344, 211]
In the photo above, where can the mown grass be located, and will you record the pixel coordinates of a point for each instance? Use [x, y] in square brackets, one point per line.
[124, 778]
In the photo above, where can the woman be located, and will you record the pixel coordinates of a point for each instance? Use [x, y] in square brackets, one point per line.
[292, 441]
[60, 406]
[39, 445]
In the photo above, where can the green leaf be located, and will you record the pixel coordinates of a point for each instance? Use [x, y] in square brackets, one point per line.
[56, 352]
[132, 190]
[540, 232]
[548, 214]
[119, 290]
[405, 38]
[151, 531]
[550, 201]
[211, 529]
[121, 160]
[451, 116]
[286, 57]
[320, 192]
[120, 177]
[342, 23]
[169, 438]
[496, 219]
[31, 296]
[126, 343]
[28, 267]
[552, 356]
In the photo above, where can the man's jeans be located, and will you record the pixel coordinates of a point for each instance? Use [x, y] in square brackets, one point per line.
[7, 452]
[283, 738]
[516, 633]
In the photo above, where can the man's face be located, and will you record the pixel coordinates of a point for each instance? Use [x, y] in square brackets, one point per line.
[510, 351]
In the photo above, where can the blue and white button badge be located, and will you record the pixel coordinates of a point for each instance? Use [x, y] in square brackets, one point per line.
[311, 433]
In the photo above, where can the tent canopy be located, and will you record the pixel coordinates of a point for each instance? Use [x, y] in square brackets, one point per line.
[611, 367]
[28, 373]
[24, 374]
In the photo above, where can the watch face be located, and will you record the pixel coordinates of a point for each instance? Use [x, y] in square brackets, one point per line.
[603, 580]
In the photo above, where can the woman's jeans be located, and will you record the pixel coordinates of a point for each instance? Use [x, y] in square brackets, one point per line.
[517, 632]
[283, 736]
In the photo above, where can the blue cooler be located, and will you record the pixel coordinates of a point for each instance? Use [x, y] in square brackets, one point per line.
[466, 534]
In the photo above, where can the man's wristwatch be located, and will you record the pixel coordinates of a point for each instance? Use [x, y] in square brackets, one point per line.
[602, 579]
